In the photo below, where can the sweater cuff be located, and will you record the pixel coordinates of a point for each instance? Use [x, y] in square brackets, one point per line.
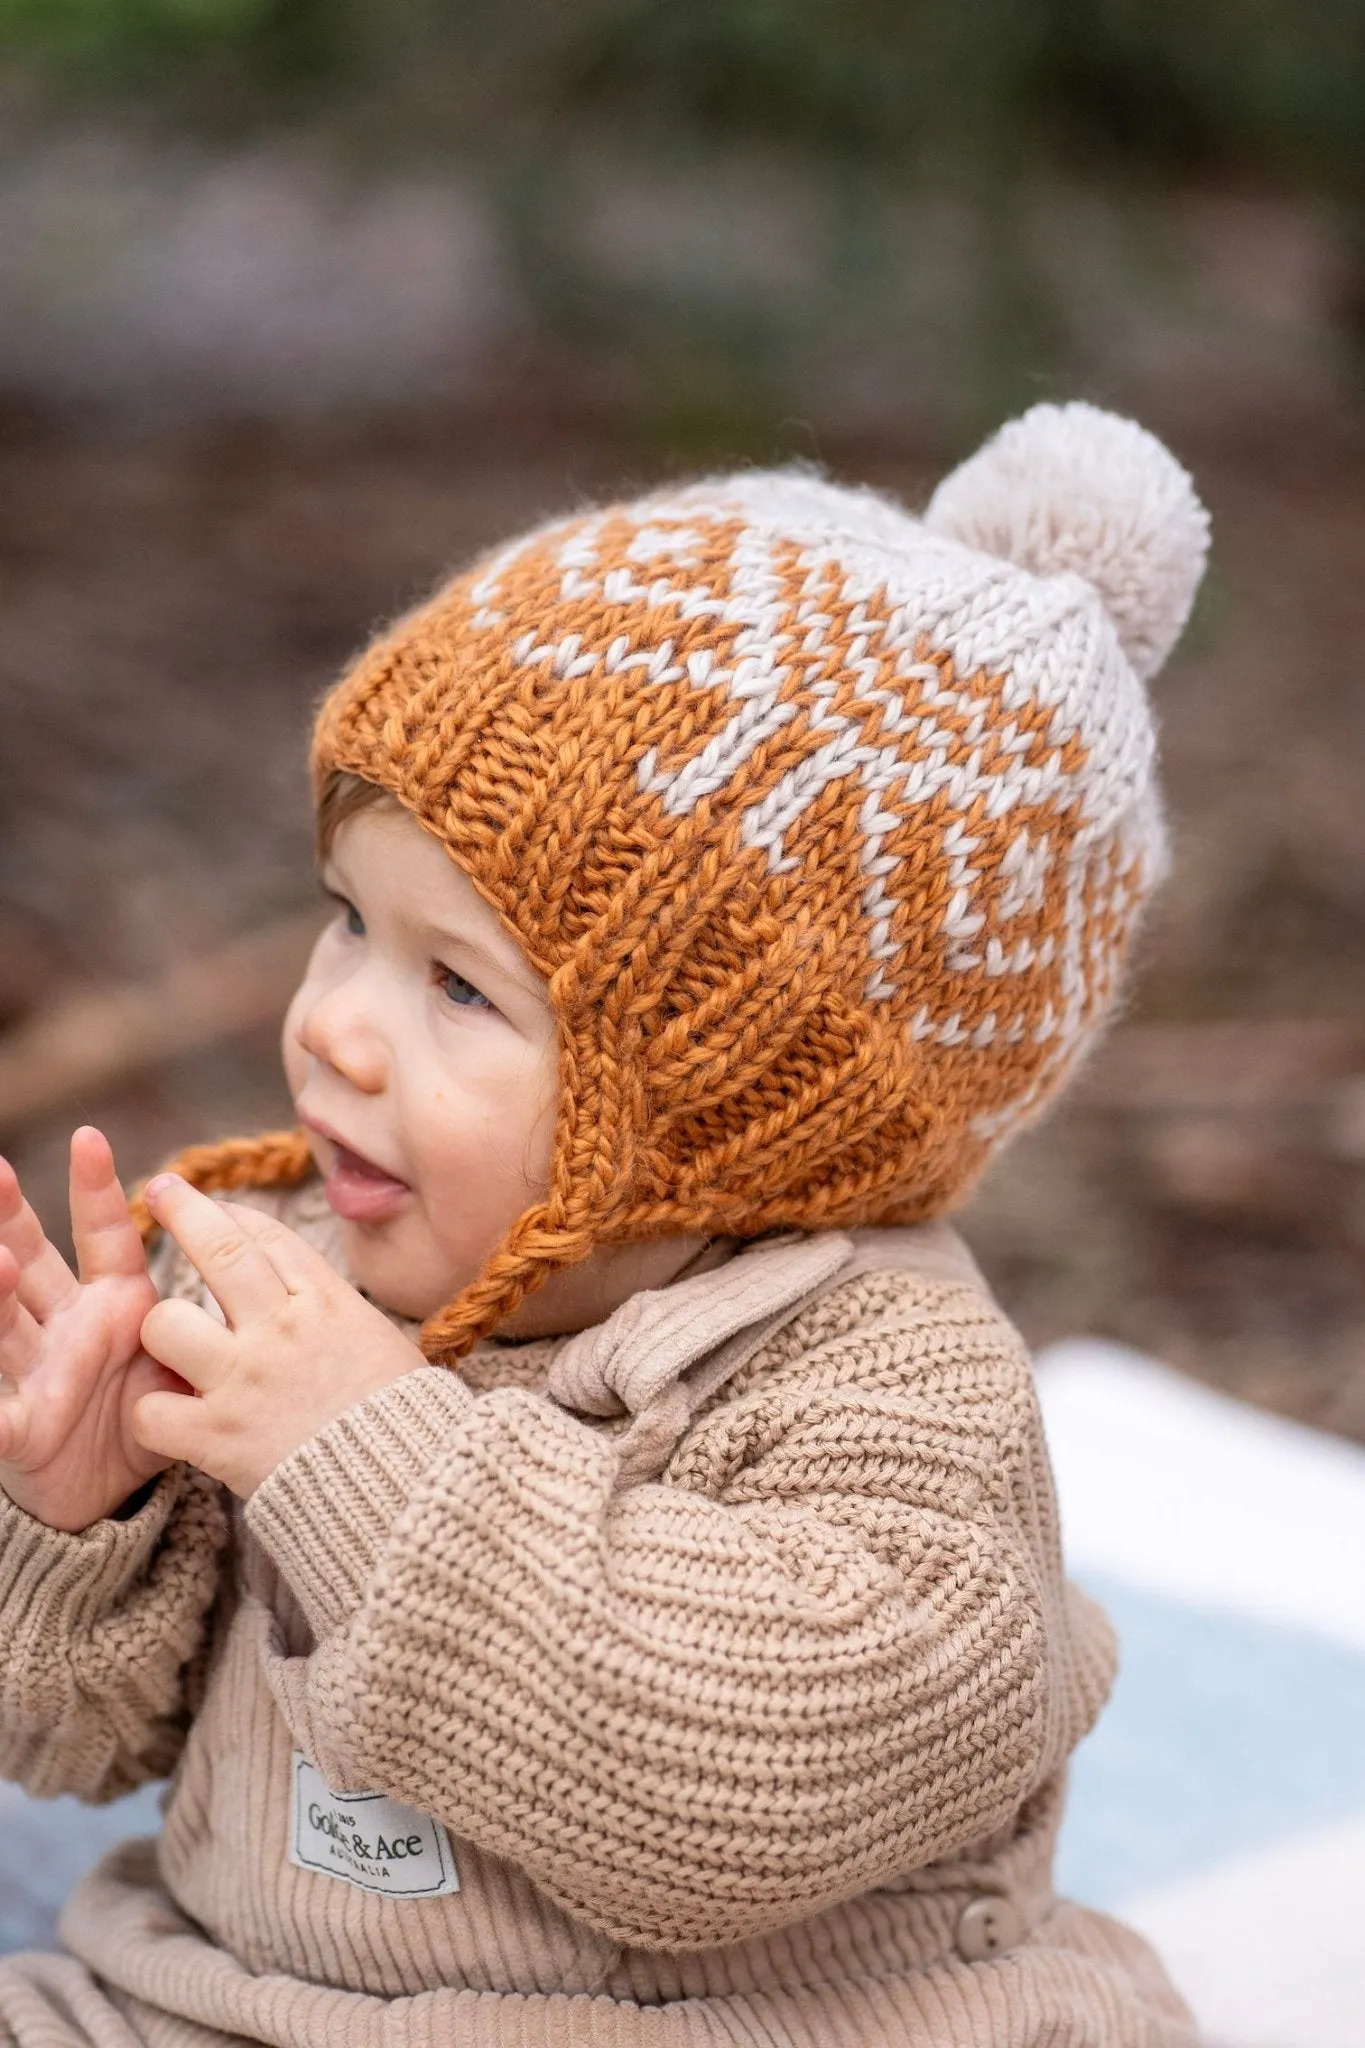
[69, 1576]
[325, 1512]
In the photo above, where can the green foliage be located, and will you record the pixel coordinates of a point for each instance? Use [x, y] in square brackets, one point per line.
[1157, 83]
[870, 104]
[1162, 82]
[112, 30]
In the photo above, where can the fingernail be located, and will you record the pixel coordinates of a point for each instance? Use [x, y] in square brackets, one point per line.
[158, 1185]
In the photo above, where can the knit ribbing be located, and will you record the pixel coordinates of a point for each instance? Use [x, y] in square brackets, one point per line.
[96, 1632]
[325, 1513]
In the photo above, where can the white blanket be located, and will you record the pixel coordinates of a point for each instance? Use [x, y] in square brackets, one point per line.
[1220, 1804]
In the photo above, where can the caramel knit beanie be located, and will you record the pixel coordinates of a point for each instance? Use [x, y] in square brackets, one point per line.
[828, 826]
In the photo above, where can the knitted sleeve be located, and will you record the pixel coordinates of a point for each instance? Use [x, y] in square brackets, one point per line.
[826, 1647]
[101, 1632]
[98, 1634]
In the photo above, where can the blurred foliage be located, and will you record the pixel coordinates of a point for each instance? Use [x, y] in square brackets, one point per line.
[867, 100]
[116, 33]
[1164, 83]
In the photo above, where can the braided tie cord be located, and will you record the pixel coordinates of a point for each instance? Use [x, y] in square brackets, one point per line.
[274, 1159]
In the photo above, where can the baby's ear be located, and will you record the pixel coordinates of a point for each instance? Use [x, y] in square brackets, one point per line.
[1072, 488]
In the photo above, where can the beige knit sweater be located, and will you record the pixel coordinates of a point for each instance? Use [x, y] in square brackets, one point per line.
[705, 1677]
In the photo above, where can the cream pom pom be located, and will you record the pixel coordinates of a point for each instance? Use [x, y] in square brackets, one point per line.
[1069, 487]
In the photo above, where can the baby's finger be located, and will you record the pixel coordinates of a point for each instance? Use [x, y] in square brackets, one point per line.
[21, 1340]
[13, 1428]
[236, 1271]
[45, 1279]
[187, 1339]
[297, 1264]
[172, 1426]
[106, 1238]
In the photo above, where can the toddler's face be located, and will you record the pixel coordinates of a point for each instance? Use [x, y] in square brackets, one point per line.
[421, 1054]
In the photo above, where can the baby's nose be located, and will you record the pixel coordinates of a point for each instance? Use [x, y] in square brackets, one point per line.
[338, 1031]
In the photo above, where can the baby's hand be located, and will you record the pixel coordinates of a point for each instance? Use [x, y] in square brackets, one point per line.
[299, 1348]
[71, 1359]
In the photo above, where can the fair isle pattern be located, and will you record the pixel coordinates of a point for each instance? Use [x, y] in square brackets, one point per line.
[827, 829]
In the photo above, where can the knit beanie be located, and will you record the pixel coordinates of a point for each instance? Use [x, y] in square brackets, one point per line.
[828, 826]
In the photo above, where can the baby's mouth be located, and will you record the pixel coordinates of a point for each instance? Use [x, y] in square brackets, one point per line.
[359, 1191]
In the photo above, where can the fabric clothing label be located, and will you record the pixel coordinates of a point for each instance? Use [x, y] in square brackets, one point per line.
[368, 1840]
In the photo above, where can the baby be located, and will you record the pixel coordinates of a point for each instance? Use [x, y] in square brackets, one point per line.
[569, 1518]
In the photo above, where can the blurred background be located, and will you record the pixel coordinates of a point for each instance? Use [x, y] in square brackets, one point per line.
[302, 301]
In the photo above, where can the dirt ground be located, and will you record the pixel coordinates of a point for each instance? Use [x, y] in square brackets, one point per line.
[173, 602]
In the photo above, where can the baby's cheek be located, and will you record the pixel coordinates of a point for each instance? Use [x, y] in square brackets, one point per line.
[470, 1207]
[400, 1267]
[294, 1057]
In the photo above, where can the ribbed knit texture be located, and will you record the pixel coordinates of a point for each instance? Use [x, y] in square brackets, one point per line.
[827, 826]
[722, 1755]
[99, 1630]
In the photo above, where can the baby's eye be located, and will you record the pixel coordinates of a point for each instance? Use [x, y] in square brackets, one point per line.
[352, 921]
[457, 990]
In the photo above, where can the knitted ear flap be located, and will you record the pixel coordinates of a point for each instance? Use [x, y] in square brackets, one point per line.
[890, 1148]
[1069, 487]
[821, 1092]
[275, 1159]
